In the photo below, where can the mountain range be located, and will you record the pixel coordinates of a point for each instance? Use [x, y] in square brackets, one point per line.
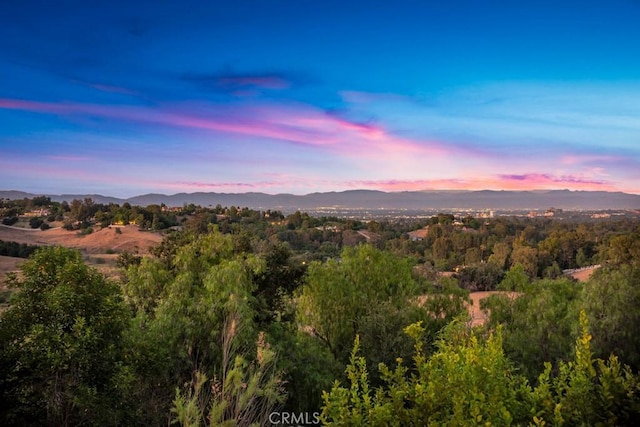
[370, 199]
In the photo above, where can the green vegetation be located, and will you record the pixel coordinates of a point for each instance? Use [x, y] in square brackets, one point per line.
[62, 351]
[15, 249]
[240, 313]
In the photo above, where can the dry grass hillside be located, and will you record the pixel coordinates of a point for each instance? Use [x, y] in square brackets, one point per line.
[130, 238]
[99, 248]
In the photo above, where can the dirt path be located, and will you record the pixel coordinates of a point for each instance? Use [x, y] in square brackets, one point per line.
[478, 317]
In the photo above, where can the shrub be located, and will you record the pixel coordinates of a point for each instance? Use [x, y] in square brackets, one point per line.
[35, 222]
[85, 231]
[10, 220]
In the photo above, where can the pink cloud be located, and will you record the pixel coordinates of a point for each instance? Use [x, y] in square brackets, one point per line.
[302, 125]
[499, 182]
[201, 185]
[410, 184]
[543, 178]
[239, 187]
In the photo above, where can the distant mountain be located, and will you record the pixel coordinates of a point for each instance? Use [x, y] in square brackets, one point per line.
[97, 198]
[368, 199]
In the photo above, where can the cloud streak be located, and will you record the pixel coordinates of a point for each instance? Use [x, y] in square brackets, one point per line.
[532, 181]
[301, 125]
[238, 83]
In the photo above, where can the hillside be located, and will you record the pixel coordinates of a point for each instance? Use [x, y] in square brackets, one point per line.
[129, 239]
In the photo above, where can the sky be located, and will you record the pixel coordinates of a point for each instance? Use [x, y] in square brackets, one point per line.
[123, 98]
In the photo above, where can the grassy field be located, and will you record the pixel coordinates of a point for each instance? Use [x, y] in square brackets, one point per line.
[99, 249]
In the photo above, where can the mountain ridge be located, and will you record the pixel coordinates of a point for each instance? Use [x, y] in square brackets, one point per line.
[374, 199]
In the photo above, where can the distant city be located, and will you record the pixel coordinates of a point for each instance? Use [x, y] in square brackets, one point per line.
[365, 204]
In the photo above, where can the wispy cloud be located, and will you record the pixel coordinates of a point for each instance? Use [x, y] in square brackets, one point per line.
[545, 180]
[113, 89]
[301, 124]
[210, 185]
[232, 82]
[538, 181]
[466, 140]
[70, 158]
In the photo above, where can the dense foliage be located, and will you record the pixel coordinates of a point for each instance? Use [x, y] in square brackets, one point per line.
[240, 314]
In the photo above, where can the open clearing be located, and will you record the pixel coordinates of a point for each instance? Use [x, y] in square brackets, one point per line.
[478, 317]
[99, 249]
[584, 274]
[129, 239]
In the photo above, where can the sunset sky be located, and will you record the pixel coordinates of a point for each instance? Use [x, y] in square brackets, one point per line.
[297, 96]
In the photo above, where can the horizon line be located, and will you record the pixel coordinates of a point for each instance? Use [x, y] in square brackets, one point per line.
[321, 192]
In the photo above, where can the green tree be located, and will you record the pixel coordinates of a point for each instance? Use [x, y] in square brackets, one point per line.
[527, 257]
[280, 277]
[372, 293]
[611, 299]
[340, 294]
[61, 352]
[182, 316]
[500, 254]
[539, 323]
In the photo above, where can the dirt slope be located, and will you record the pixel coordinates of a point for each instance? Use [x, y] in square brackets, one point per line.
[129, 239]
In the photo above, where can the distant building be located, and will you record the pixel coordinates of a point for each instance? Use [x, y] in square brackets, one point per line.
[36, 213]
[418, 234]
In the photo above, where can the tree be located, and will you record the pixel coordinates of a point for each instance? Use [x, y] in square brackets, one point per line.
[61, 352]
[539, 323]
[277, 281]
[500, 254]
[624, 249]
[479, 277]
[611, 299]
[373, 294]
[527, 257]
[183, 314]
[339, 295]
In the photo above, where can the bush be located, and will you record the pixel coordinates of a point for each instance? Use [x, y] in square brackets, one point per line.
[44, 226]
[5, 296]
[85, 231]
[10, 220]
[35, 222]
[15, 249]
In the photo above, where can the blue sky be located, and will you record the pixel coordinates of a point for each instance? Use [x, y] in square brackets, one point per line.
[123, 98]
